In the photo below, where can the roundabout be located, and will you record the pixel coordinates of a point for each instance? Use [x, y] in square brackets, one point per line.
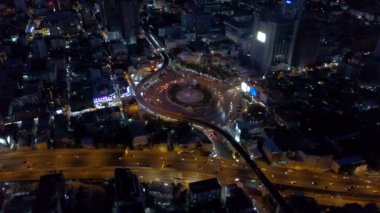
[189, 95]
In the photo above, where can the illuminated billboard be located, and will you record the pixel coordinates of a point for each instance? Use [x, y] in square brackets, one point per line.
[252, 91]
[111, 99]
[289, 1]
[261, 37]
[244, 87]
[102, 100]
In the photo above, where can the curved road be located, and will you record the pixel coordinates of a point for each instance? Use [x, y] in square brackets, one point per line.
[144, 104]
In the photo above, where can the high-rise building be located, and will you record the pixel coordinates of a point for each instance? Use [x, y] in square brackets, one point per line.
[272, 43]
[129, 15]
[121, 15]
[128, 192]
[274, 37]
[307, 44]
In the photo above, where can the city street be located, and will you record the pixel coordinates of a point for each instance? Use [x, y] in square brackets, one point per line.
[91, 163]
[183, 166]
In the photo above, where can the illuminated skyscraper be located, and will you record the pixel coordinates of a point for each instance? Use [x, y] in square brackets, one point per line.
[274, 36]
[271, 43]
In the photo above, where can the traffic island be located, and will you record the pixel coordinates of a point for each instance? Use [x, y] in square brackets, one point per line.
[190, 96]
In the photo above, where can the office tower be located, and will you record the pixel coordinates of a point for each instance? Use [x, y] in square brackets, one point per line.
[121, 15]
[129, 15]
[307, 44]
[274, 37]
[272, 43]
[128, 192]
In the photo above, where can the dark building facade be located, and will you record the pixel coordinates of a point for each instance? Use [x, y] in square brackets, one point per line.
[123, 16]
[307, 44]
[51, 194]
[204, 192]
[128, 191]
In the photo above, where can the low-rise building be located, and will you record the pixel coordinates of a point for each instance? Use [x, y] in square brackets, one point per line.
[139, 141]
[237, 201]
[272, 152]
[253, 128]
[20, 203]
[287, 118]
[204, 193]
[119, 51]
[354, 164]
[316, 161]
[171, 43]
[42, 139]
[162, 193]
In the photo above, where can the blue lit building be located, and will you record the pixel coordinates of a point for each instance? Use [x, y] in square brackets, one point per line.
[291, 8]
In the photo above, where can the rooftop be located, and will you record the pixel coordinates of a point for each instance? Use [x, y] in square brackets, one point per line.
[350, 160]
[204, 186]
